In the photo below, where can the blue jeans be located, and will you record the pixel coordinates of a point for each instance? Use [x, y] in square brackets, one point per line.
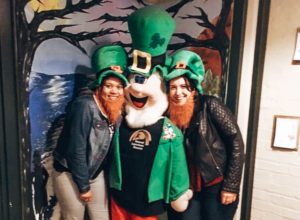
[206, 205]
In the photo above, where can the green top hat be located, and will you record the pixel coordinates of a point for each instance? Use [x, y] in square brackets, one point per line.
[109, 60]
[151, 29]
[190, 65]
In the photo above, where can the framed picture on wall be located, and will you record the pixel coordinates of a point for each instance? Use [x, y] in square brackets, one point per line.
[286, 132]
[297, 47]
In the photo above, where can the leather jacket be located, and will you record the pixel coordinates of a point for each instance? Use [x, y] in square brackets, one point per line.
[215, 144]
[84, 142]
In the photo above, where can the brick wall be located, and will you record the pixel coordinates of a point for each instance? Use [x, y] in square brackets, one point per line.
[276, 190]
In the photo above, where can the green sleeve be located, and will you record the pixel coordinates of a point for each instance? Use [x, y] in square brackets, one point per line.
[179, 168]
[115, 170]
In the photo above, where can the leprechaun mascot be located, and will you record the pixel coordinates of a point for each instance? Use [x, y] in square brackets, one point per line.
[148, 169]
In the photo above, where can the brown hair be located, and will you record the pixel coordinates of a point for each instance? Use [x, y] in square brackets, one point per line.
[188, 82]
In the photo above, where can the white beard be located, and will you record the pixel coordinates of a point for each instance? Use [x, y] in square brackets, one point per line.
[155, 107]
[138, 118]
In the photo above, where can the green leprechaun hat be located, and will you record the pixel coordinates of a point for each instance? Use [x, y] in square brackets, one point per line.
[189, 64]
[151, 29]
[110, 60]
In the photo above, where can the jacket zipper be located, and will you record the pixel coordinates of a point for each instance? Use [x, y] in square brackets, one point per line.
[215, 162]
[212, 156]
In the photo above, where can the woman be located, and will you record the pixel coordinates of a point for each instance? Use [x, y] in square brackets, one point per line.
[84, 144]
[213, 142]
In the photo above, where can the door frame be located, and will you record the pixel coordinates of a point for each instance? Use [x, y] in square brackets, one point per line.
[256, 88]
[11, 189]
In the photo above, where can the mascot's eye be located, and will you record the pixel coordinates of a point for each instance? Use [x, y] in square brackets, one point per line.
[139, 79]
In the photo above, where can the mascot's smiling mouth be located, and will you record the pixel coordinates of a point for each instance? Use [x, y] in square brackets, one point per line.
[138, 102]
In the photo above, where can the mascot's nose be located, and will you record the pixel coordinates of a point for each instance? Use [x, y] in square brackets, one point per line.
[139, 79]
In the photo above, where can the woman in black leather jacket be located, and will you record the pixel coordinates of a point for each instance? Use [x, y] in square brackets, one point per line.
[84, 144]
[214, 144]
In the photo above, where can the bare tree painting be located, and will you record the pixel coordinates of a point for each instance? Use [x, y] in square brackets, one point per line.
[55, 40]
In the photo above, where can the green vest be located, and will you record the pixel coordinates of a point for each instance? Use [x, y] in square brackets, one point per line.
[169, 176]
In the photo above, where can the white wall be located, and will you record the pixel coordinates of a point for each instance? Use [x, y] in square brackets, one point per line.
[276, 191]
[246, 76]
[247, 66]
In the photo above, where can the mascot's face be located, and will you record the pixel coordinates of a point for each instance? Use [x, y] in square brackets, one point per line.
[146, 100]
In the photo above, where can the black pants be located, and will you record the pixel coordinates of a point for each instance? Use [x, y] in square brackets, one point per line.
[206, 205]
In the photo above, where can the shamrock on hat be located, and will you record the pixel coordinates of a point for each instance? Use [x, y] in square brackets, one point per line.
[151, 29]
[110, 60]
[189, 64]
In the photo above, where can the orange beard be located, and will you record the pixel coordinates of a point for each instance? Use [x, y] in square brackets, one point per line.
[181, 115]
[112, 109]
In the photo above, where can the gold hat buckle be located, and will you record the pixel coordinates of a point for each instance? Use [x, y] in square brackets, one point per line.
[147, 56]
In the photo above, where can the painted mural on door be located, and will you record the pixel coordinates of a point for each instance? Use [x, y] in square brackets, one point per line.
[55, 41]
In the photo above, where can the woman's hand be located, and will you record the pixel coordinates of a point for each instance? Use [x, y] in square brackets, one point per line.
[86, 197]
[227, 197]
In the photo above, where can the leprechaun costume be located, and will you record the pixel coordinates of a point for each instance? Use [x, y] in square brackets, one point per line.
[84, 144]
[148, 168]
